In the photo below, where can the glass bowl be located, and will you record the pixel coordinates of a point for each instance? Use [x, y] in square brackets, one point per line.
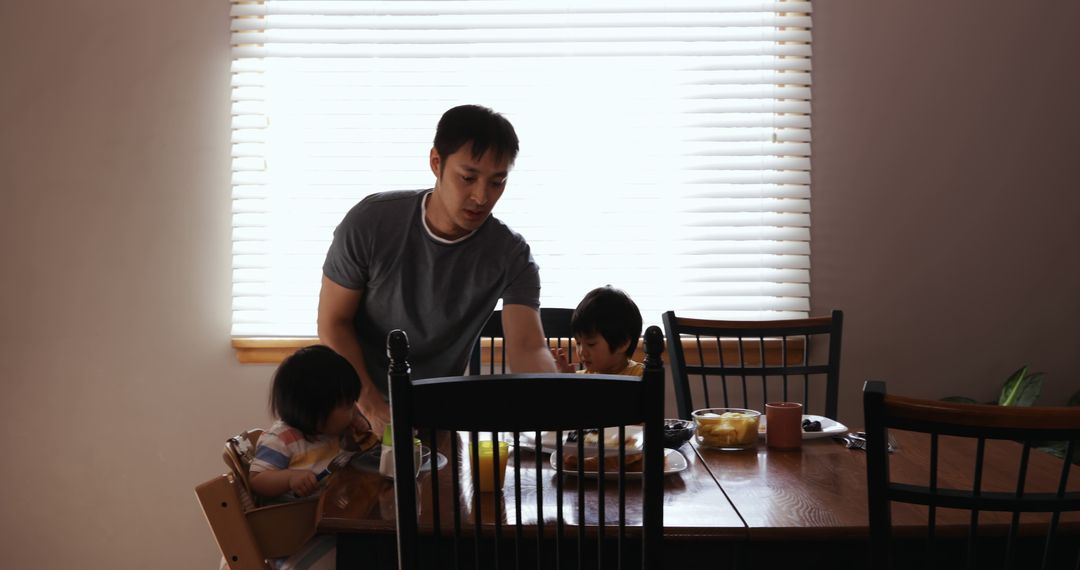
[677, 432]
[726, 428]
[425, 456]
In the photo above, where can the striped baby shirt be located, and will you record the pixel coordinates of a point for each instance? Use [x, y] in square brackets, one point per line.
[284, 447]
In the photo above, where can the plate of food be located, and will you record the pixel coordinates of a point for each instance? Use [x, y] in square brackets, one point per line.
[813, 427]
[611, 440]
[674, 462]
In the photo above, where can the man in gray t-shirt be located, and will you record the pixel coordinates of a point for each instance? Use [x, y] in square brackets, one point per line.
[434, 263]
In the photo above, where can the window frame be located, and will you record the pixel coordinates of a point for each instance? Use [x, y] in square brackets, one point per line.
[270, 350]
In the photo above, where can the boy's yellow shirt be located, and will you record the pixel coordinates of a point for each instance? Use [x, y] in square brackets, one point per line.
[632, 369]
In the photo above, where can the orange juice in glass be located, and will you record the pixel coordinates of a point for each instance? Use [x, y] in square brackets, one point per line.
[486, 453]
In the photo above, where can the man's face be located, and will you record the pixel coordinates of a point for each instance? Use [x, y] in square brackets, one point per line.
[466, 190]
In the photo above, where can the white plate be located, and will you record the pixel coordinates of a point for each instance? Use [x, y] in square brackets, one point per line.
[547, 441]
[528, 440]
[829, 427]
[674, 462]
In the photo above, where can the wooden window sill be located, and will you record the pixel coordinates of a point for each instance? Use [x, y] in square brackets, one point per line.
[268, 350]
[272, 350]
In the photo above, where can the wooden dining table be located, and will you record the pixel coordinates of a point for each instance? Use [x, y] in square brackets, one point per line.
[751, 508]
[810, 505]
[358, 504]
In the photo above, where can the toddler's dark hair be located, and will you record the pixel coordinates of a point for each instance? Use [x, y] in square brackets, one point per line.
[611, 313]
[309, 384]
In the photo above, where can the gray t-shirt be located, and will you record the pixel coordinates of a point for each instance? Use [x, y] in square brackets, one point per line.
[439, 293]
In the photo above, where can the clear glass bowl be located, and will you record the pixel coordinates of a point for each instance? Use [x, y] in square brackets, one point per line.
[726, 428]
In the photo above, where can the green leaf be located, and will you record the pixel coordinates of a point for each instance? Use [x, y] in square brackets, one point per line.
[1057, 448]
[1074, 400]
[1030, 389]
[1021, 389]
[959, 400]
[1008, 389]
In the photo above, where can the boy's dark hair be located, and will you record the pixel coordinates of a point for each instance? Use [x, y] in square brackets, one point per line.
[481, 126]
[611, 313]
[309, 384]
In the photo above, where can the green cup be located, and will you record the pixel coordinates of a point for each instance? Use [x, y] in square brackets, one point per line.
[386, 461]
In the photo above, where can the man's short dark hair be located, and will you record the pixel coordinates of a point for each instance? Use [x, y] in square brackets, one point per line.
[611, 313]
[484, 128]
[309, 384]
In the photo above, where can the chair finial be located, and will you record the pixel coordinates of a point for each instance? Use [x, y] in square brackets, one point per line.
[397, 349]
[654, 344]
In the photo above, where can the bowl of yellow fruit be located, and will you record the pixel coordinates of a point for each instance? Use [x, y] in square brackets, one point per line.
[726, 428]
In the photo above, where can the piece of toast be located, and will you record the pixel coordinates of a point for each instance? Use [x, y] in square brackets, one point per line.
[611, 463]
[611, 437]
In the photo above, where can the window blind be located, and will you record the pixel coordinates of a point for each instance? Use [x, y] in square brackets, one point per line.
[665, 146]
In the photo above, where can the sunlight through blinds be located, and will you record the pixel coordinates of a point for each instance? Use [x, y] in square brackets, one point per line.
[665, 146]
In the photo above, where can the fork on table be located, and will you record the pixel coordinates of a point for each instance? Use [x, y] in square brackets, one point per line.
[857, 440]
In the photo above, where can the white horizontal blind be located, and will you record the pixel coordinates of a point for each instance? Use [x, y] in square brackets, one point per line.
[665, 146]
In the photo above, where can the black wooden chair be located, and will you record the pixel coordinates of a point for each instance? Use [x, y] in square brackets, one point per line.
[1025, 545]
[556, 324]
[548, 514]
[740, 360]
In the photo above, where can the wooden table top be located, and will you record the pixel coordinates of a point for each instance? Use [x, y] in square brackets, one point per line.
[823, 486]
[359, 499]
[820, 491]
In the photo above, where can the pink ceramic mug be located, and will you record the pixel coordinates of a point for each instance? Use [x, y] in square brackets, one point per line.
[783, 425]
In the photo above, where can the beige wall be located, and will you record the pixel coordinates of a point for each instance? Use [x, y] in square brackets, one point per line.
[945, 221]
[946, 200]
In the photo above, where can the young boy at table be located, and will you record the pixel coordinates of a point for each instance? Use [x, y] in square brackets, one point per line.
[606, 327]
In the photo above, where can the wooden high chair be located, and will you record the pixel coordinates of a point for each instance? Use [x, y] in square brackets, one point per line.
[246, 534]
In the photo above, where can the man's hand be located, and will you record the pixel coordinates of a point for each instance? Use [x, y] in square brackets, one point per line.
[302, 482]
[360, 423]
[377, 411]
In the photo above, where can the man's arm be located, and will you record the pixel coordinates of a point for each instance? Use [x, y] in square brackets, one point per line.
[337, 310]
[526, 349]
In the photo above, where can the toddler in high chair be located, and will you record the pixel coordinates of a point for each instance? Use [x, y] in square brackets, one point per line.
[314, 396]
[606, 327]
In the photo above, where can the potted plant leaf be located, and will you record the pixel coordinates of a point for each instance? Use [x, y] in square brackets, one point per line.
[1023, 389]
[1020, 389]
